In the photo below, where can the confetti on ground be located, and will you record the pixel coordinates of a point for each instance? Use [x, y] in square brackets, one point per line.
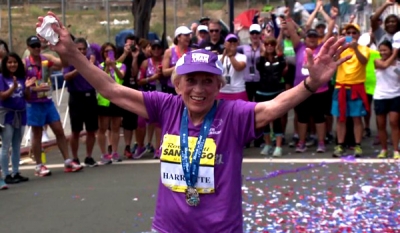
[343, 197]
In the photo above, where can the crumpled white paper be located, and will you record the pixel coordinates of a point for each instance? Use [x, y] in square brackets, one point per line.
[46, 32]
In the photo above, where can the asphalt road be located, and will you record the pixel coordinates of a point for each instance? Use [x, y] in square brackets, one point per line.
[311, 191]
[305, 192]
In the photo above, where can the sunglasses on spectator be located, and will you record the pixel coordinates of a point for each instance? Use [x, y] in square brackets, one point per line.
[232, 41]
[214, 30]
[351, 33]
[35, 46]
[270, 44]
[254, 33]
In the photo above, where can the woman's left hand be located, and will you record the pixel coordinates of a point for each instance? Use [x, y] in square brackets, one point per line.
[325, 64]
[30, 82]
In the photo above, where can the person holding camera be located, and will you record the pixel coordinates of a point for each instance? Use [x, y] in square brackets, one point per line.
[130, 58]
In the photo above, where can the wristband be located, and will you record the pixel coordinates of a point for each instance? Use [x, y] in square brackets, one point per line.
[308, 88]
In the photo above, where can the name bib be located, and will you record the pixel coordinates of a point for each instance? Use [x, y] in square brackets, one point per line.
[172, 175]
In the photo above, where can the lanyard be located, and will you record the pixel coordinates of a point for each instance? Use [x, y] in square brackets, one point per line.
[37, 68]
[191, 170]
[253, 54]
[178, 53]
[228, 66]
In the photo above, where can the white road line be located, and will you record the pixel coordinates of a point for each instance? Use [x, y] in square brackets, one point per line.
[247, 161]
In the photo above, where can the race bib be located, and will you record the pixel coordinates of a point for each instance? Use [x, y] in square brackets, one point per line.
[172, 175]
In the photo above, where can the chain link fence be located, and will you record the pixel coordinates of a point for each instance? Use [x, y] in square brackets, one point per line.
[100, 20]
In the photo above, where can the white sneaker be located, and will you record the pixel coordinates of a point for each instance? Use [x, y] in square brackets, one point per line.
[45, 137]
[266, 150]
[42, 171]
[277, 152]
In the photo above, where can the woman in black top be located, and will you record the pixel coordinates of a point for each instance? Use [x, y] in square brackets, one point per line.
[271, 65]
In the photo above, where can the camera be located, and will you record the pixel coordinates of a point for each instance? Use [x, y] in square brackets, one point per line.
[133, 48]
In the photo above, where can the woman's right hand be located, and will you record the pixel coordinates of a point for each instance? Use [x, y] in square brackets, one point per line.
[15, 82]
[65, 45]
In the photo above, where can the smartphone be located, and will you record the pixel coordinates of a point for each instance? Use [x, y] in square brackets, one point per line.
[111, 55]
[133, 48]
[349, 39]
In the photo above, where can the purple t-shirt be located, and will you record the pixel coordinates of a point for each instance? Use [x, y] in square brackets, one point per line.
[301, 72]
[232, 128]
[151, 70]
[95, 50]
[77, 84]
[16, 101]
[172, 62]
[35, 70]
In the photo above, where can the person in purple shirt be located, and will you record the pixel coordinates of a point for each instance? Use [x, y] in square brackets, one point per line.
[82, 108]
[204, 194]
[150, 74]
[41, 109]
[313, 107]
[94, 49]
[13, 91]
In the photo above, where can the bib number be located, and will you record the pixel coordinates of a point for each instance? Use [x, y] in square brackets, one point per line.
[172, 175]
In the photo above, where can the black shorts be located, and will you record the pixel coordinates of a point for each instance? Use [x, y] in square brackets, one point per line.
[384, 106]
[312, 107]
[129, 120]
[290, 74]
[329, 96]
[111, 111]
[370, 99]
[83, 111]
[168, 89]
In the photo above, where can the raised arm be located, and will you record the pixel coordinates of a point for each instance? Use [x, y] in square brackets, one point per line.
[380, 64]
[310, 20]
[321, 69]
[375, 17]
[124, 97]
[331, 21]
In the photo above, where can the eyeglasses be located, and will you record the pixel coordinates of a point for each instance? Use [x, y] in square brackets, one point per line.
[270, 44]
[108, 50]
[254, 33]
[232, 41]
[35, 46]
[351, 33]
[214, 30]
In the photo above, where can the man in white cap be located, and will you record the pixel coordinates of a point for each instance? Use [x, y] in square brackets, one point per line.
[215, 42]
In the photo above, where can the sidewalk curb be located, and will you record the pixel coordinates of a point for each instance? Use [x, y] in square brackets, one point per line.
[25, 150]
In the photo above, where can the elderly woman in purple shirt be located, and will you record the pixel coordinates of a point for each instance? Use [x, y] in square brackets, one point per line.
[201, 194]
